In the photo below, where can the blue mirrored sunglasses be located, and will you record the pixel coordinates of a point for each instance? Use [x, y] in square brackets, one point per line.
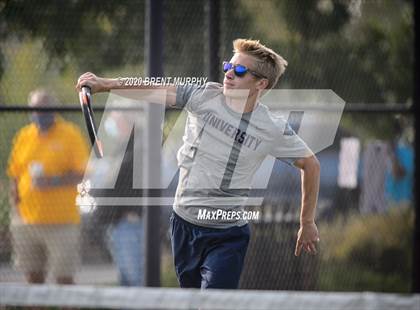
[239, 70]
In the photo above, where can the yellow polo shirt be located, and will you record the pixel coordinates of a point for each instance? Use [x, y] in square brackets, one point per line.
[58, 151]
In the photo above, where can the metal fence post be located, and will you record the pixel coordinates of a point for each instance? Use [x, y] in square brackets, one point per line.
[154, 60]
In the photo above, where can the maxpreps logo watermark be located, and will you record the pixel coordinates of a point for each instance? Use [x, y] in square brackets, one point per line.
[131, 121]
[224, 215]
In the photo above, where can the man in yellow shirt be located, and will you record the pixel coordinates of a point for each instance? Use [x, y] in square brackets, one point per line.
[46, 163]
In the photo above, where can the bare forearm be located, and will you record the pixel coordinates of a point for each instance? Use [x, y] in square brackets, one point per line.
[68, 179]
[157, 93]
[310, 189]
[308, 236]
[71, 178]
[310, 171]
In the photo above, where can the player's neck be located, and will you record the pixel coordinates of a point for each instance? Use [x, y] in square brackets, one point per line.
[239, 105]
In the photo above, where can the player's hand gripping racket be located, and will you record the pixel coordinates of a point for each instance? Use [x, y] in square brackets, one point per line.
[85, 97]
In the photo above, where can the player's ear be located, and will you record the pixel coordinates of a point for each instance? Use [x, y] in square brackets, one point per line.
[262, 84]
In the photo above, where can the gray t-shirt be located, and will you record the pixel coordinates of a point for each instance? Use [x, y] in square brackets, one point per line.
[222, 149]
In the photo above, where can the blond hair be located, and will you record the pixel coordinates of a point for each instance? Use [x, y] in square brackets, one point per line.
[268, 63]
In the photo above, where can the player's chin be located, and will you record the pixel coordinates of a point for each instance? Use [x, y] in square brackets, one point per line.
[226, 91]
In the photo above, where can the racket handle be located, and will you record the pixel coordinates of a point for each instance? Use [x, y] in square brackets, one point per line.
[85, 101]
[86, 90]
[85, 95]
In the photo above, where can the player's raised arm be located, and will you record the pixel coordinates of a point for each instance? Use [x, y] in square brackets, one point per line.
[99, 84]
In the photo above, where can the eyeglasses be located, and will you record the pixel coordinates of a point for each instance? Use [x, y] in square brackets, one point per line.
[240, 70]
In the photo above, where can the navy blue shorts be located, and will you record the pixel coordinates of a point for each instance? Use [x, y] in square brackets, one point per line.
[208, 257]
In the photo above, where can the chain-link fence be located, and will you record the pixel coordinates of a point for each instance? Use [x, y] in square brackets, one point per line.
[363, 220]
[365, 212]
[363, 217]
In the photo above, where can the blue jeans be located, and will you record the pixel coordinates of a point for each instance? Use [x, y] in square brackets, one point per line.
[206, 257]
[126, 242]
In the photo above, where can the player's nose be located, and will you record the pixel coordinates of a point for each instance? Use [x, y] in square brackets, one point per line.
[230, 74]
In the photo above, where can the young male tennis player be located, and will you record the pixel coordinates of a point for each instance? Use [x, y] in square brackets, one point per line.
[228, 134]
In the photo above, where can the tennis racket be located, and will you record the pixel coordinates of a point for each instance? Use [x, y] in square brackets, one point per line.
[85, 97]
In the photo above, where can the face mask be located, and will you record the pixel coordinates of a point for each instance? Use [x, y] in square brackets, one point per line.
[43, 120]
[111, 128]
